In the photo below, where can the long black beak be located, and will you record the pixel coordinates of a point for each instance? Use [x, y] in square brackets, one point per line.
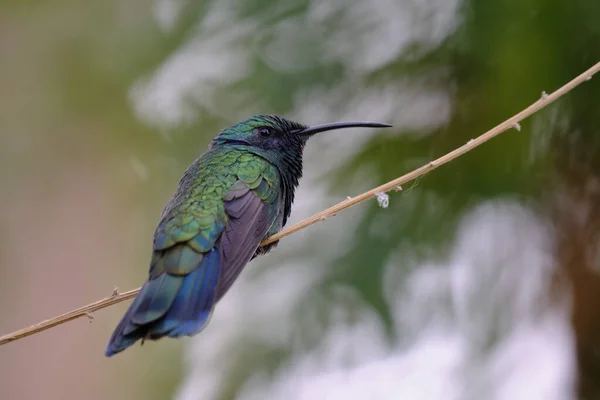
[311, 130]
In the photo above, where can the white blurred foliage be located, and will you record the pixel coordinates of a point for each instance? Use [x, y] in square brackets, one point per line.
[210, 59]
[370, 36]
[382, 29]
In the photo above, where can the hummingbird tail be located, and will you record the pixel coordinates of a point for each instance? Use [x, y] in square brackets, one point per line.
[169, 305]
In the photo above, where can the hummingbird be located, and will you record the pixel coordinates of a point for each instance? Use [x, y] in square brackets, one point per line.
[228, 201]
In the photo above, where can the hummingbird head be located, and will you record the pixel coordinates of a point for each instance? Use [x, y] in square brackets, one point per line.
[271, 133]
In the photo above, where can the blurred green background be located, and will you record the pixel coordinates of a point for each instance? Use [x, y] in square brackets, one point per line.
[480, 280]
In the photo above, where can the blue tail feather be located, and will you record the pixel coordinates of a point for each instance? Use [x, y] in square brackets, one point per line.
[193, 303]
[189, 306]
[157, 298]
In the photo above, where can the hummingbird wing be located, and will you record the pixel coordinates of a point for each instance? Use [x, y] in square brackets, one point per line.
[196, 257]
[249, 218]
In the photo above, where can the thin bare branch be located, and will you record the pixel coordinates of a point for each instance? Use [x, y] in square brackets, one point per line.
[513, 122]
[85, 311]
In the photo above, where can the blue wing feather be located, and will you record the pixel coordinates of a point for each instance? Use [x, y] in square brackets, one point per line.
[194, 301]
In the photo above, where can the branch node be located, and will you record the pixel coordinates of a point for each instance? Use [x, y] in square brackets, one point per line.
[589, 78]
[544, 95]
[90, 316]
[115, 292]
[470, 141]
[517, 126]
[398, 188]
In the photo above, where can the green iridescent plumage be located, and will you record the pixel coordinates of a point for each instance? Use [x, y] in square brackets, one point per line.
[197, 207]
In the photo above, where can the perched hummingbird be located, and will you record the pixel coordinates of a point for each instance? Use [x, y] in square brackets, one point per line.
[228, 201]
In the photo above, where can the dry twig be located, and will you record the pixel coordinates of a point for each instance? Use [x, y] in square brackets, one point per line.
[512, 122]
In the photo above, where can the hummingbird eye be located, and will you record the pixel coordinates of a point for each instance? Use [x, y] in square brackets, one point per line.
[265, 132]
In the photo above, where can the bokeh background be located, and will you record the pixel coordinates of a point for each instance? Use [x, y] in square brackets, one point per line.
[479, 281]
